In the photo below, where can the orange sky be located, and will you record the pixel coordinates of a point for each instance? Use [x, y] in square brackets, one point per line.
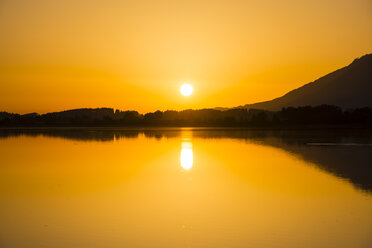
[135, 54]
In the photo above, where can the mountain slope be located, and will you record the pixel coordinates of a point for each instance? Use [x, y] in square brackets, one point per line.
[348, 87]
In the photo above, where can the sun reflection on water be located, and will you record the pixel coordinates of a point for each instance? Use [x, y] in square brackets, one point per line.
[187, 157]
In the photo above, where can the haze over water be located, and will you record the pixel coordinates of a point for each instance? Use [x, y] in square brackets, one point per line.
[192, 188]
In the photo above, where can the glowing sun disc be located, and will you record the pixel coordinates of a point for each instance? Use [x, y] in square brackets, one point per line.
[186, 89]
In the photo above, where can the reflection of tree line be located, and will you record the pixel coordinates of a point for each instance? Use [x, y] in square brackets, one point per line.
[351, 161]
[85, 134]
[290, 116]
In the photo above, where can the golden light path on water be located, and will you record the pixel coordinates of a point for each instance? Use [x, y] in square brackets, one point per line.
[187, 157]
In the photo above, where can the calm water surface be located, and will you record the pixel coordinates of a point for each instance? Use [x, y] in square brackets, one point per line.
[185, 188]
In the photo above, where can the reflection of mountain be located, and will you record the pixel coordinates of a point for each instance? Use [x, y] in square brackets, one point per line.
[344, 153]
[350, 162]
[348, 87]
[347, 155]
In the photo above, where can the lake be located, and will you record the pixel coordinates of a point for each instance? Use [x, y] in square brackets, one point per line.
[185, 187]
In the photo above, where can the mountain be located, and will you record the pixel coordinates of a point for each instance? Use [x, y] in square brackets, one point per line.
[97, 113]
[348, 87]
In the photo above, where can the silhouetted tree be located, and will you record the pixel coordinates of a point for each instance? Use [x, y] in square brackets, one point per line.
[289, 116]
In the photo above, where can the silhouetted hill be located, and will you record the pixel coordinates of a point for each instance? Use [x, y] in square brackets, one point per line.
[83, 113]
[348, 87]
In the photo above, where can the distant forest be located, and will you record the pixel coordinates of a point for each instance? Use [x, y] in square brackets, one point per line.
[323, 115]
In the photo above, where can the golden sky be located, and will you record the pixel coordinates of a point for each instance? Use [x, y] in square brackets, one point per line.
[135, 54]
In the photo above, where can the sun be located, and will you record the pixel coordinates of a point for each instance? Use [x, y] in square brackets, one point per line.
[186, 89]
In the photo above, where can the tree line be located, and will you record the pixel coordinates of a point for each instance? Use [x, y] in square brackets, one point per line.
[288, 116]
